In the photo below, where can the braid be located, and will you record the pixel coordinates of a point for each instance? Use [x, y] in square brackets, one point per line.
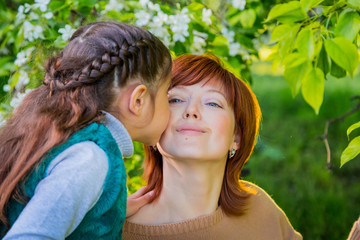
[131, 50]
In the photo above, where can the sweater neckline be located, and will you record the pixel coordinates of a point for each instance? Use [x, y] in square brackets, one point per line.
[186, 226]
[120, 134]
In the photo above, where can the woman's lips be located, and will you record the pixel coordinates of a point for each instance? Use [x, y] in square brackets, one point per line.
[190, 130]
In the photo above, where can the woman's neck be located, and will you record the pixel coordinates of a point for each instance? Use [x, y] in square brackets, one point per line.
[190, 189]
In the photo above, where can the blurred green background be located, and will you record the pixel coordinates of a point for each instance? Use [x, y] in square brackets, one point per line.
[289, 161]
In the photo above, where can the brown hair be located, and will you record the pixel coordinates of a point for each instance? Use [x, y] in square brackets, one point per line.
[79, 83]
[192, 69]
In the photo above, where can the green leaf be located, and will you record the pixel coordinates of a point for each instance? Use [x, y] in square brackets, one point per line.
[305, 43]
[6, 65]
[233, 20]
[323, 61]
[343, 53]
[287, 12]
[212, 4]
[348, 26]
[286, 44]
[354, 3]
[194, 6]
[247, 18]
[351, 151]
[294, 59]
[352, 128]
[336, 70]
[312, 88]
[308, 4]
[279, 32]
[295, 67]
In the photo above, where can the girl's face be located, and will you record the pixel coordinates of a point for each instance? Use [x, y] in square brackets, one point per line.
[160, 115]
[201, 124]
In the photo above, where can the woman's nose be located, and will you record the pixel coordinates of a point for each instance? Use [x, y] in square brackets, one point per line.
[191, 111]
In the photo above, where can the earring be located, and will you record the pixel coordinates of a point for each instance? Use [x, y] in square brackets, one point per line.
[232, 153]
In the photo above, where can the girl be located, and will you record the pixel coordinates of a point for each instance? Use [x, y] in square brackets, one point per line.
[195, 174]
[61, 169]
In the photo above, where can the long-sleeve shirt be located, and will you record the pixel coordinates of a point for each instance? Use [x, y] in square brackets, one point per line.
[73, 184]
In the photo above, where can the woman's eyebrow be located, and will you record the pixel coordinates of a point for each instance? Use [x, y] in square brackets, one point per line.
[217, 91]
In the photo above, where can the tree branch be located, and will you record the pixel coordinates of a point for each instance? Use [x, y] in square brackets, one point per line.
[331, 121]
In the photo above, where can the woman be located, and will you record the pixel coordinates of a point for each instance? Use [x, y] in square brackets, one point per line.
[194, 172]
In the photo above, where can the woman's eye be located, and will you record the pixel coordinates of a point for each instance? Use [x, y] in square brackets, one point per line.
[174, 100]
[213, 104]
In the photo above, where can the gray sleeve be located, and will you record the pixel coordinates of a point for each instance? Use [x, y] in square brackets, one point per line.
[73, 184]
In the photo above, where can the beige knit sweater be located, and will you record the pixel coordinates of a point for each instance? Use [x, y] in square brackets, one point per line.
[355, 231]
[263, 220]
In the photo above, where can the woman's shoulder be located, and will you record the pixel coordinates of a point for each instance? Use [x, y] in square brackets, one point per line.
[260, 201]
[263, 209]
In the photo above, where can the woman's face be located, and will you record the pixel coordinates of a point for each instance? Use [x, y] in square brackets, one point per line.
[201, 124]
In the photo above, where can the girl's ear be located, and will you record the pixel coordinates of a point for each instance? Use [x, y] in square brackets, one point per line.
[137, 99]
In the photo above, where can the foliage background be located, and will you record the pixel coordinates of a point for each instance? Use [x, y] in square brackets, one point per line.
[312, 46]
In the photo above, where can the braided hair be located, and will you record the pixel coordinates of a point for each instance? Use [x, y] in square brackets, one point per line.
[79, 83]
[97, 49]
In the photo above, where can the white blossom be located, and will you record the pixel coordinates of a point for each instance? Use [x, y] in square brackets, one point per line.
[206, 14]
[66, 32]
[27, 8]
[33, 16]
[229, 35]
[32, 32]
[234, 48]
[48, 15]
[179, 25]
[143, 18]
[18, 98]
[198, 45]
[159, 31]
[246, 56]
[161, 18]
[144, 3]
[239, 4]
[114, 5]
[22, 81]
[23, 56]
[153, 7]
[6, 87]
[42, 4]
[20, 15]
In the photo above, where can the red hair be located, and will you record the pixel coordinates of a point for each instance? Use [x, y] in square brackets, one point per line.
[192, 69]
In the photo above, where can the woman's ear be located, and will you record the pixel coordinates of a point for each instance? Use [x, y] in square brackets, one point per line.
[137, 99]
[236, 143]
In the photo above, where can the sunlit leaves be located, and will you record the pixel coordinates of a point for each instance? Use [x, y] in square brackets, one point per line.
[351, 151]
[354, 3]
[295, 68]
[348, 25]
[247, 18]
[323, 61]
[343, 53]
[287, 12]
[305, 43]
[352, 128]
[312, 88]
[308, 4]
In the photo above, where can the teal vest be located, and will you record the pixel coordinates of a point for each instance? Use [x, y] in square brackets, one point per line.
[106, 218]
